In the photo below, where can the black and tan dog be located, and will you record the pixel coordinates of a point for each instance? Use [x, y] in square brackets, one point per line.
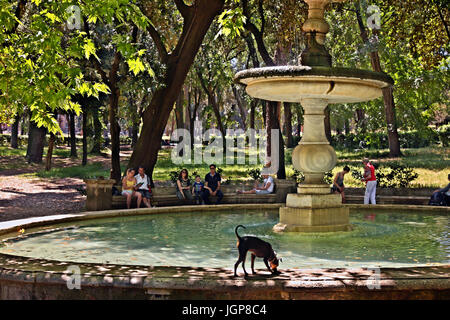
[258, 248]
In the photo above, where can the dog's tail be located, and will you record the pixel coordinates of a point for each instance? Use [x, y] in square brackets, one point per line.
[235, 230]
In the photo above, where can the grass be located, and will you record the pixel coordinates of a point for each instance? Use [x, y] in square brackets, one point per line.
[432, 165]
[92, 170]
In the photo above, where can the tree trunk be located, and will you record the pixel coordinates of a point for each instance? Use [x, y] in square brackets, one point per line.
[134, 133]
[97, 145]
[193, 112]
[272, 122]
[389, 105]
[84, 158]
[252, 114]
[115, 135]
[23, 124]
[288, 124]
[15, 132]
[48, 159]
[73, 138]
[299, 121]
[327, 124]
[36, 140]
[347, 127]
[197, 19]
[388, 98]
[361, 121]
[179, 110]
[241, 107]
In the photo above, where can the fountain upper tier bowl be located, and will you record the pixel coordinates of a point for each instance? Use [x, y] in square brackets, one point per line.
[297, 83]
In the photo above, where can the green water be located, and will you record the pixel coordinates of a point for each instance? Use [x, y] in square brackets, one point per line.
[208, 240]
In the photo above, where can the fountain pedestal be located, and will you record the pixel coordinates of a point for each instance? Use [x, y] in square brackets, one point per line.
[313, 208]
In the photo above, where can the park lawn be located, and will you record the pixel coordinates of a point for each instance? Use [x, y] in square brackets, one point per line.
[431, 164]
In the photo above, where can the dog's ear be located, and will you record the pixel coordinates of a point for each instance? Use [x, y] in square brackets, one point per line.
[281, 259]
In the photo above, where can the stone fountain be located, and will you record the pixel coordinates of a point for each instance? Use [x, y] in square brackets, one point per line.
[315, 84]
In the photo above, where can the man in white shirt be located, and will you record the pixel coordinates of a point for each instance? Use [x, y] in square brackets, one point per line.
[267, 186]
[142, 186]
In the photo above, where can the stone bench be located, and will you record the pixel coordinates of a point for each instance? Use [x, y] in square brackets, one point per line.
[171, 200]
[165, 196]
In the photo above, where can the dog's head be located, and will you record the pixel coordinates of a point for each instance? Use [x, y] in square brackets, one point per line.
[274, 262]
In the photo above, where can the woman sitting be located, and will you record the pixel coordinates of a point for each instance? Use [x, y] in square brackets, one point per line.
[338, 182]
[128, 188]
[184, 186]
[266, 188]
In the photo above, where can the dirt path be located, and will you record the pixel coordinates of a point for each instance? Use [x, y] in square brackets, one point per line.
[25, 197]
[22, 197]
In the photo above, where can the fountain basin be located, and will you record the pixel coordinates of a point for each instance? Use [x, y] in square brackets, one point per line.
[204, 276]
[296, 83]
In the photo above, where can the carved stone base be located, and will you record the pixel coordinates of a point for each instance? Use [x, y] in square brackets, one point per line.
[313, 213]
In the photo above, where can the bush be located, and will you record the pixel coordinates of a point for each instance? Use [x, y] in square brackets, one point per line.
[255, 174]
[379, 140]
[444, 134]
[299, 177]
[391, 176]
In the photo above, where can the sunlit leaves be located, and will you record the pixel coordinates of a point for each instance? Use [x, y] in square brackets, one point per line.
[231, 23]
[89, 49]
[42, 61]
[136, 65]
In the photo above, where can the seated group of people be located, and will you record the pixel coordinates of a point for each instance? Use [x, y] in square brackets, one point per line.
[137, 186]
[200, 191]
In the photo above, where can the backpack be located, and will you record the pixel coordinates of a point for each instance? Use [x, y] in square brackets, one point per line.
[437, 199]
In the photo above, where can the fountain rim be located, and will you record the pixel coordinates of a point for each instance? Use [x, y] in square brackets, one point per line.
[334, 73]
[25, 273]
[8, 229]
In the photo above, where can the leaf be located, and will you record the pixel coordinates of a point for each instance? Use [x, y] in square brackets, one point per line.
[89, 49]
[136, 65]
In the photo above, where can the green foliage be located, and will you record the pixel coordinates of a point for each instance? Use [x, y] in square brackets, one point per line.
[393, 175]
[42, 52]
[255, 174]
[298, 176]
[379, 140]
[231, 23]
[444, 134]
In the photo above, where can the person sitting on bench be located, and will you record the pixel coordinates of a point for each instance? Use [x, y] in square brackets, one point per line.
[441, 197]
[266, 188]
[128, 184]
[143, 186]
[183, 190]
[212, 185]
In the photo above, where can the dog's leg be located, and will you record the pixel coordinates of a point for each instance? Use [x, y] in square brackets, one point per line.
[237, 264]
[267, 264]
[253, 263]
[243, 263]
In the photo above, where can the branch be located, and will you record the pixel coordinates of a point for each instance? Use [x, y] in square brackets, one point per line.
[159, 43]
[257, 34]
[184, 9]
[261, 15]
[438, 8]
[202, 81]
